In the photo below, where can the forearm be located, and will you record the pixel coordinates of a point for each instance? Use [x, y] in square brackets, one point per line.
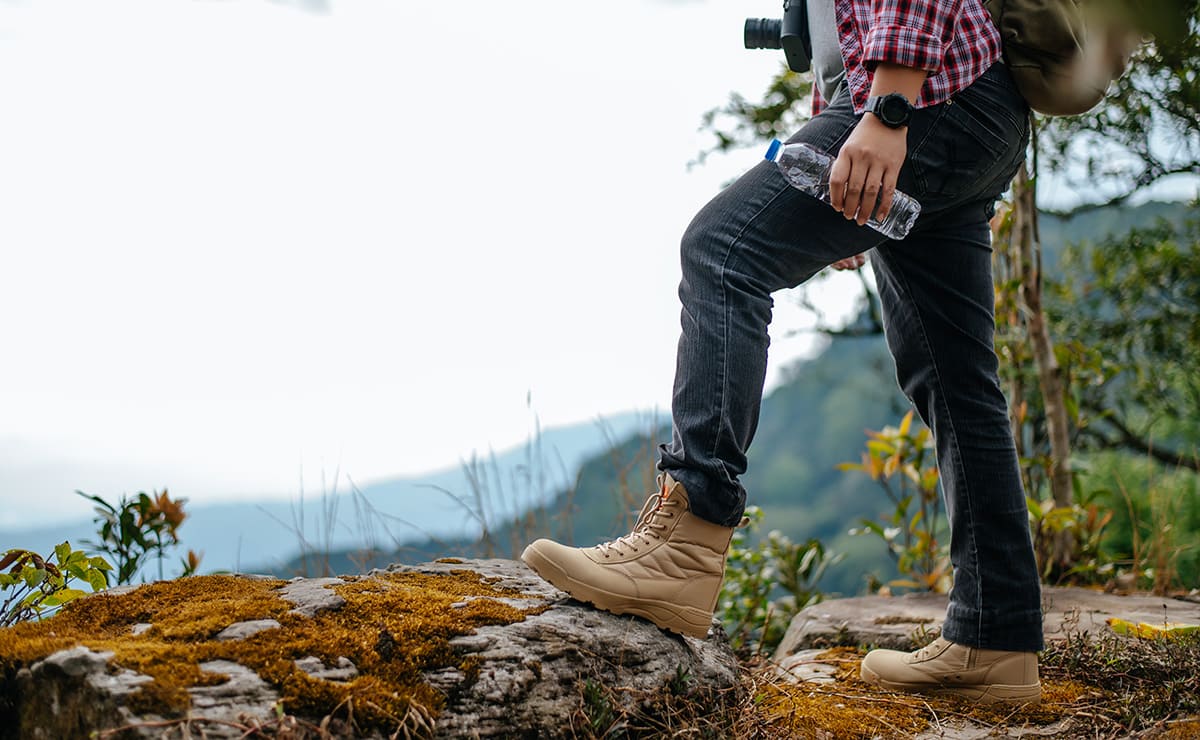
[890, 78]
[868, 164]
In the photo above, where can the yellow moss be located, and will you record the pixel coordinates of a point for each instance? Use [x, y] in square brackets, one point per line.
[1187, 729]
[850, 708]
[393, 627]
[470, 666]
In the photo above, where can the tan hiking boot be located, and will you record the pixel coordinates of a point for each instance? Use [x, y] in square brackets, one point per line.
[944, 667]
[668, 570]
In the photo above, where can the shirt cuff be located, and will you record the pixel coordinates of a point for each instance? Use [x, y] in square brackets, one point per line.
[903, 45]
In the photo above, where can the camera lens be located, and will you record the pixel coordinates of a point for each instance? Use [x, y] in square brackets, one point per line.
[763, 33]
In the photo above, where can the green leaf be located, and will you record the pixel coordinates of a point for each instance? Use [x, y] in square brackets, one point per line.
[68, 594]
[33, 576]
[873, 527]
[97, 580]
[880, 447]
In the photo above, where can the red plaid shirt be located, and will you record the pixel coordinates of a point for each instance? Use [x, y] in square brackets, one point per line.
[954, 40]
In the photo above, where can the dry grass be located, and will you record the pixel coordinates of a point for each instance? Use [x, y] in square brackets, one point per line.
[1107, 687]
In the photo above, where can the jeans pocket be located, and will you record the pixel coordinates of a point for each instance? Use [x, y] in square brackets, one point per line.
[960, 153]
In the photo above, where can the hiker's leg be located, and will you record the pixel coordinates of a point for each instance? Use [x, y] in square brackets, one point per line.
[937, 293]
[757, 236]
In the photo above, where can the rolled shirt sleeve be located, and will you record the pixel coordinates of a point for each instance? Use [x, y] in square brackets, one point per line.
[911, 33]
[953, 40]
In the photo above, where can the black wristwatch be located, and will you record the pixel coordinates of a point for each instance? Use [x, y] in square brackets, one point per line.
[893, 109]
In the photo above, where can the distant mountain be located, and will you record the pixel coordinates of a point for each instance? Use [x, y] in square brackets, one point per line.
[812, 421]
[258, 535]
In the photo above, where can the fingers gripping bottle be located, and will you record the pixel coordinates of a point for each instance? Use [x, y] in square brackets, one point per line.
[807, 169]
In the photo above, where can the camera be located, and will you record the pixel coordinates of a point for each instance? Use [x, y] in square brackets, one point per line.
[789, 34]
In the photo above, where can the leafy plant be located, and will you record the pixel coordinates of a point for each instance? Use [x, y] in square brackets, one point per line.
[901, 460]
[138, 528]
[1084, 525]
[34, 585]
[754, 573]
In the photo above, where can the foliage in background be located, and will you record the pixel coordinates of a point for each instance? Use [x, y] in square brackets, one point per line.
[754, 613]
[34, 586]
[901, 460]
[739, 123]
[1129, 305]
[1145, 130]
[138, 528]
[1156, 518]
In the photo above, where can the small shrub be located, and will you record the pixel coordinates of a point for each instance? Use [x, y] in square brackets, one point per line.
[138, 528]
[901, 460]
[754, 574]
[34, 586]
[1084, 523]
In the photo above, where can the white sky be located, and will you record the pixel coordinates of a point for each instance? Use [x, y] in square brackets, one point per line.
[239, 240]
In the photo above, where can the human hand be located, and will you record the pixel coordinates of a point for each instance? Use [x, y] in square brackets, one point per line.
[850, 263]
[866, 170]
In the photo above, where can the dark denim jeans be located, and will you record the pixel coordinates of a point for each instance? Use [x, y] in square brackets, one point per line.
[760, 235]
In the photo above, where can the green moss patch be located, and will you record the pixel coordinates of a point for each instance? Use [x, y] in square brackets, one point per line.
[393, 627]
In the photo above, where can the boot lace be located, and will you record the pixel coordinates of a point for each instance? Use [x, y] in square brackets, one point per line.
[929, 650]
[648, 528]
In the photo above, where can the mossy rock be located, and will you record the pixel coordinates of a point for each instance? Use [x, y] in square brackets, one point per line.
[448, 649]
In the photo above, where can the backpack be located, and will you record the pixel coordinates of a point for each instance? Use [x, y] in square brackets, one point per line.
[1062, 56]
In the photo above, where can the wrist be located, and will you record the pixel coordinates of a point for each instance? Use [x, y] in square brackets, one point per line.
[893, 110]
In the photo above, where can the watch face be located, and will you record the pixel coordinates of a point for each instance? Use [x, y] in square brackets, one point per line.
[894, 109]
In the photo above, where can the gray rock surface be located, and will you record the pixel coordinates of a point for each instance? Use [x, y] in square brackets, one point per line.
[70, 693]
[525, 679]
[242, 630]
[909, 621]
[312, 595]
[532, 673]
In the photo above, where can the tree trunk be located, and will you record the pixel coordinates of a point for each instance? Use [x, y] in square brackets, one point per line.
[1049, 373]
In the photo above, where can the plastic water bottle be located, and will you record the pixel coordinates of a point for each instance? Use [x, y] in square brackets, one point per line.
[807, 169]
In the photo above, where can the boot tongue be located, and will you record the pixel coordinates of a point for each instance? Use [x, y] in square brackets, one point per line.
[672, 491]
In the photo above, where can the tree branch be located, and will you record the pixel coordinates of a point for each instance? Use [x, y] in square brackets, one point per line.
[1128, 439]
[1139, 184]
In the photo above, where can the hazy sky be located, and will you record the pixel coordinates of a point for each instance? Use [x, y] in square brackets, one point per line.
[240, 239]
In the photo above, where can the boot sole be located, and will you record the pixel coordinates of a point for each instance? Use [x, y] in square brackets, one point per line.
[986, 694]
[683, 620]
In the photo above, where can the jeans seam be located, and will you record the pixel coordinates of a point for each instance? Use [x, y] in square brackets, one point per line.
[725, 315]
[957, 461]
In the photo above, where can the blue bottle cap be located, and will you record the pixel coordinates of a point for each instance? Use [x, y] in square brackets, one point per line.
[773, 149]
